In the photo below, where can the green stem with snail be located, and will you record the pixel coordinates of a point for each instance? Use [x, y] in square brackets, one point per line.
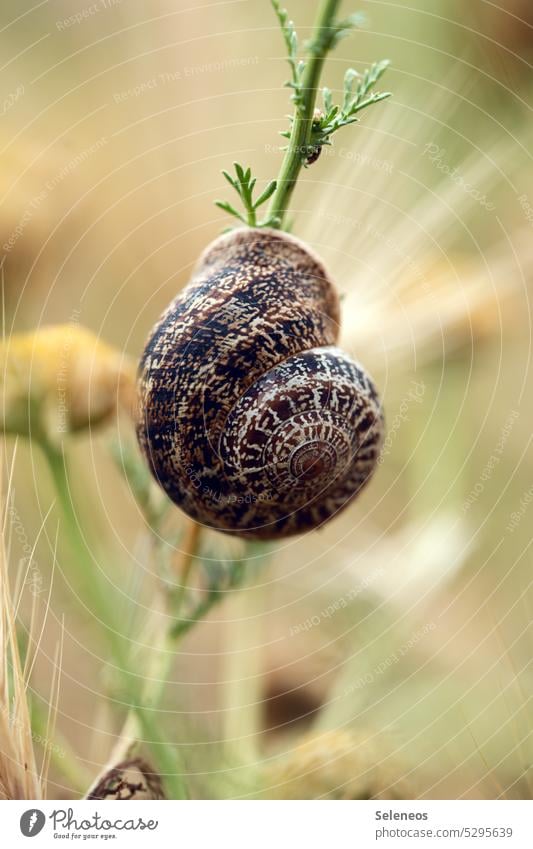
[298, 147]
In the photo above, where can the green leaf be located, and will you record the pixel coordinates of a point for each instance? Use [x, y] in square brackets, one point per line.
[266, 194]
[349, 78]
[227, 207]
[355, 98]
[230, 180]
[244, 186]
[291, 43]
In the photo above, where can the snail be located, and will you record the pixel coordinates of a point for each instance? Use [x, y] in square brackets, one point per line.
[250, 417]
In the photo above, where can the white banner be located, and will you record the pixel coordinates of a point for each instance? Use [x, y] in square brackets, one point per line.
[269, 825]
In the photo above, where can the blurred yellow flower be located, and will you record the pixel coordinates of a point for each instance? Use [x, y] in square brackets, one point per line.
[59, 380]
[339, 765]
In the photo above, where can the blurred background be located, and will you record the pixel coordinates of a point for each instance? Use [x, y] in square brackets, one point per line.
[389, 653]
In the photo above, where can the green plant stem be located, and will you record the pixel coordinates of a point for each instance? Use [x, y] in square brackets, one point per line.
[190, 544]
[93, 590]
[201, 610]
[164, 646]
[298, 146]
[242, 692]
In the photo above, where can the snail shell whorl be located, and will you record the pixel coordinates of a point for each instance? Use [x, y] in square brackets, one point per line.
[250, 418]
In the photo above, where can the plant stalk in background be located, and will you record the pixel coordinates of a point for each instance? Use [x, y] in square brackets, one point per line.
[165, 756]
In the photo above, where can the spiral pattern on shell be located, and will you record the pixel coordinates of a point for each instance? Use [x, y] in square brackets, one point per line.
[251, 419]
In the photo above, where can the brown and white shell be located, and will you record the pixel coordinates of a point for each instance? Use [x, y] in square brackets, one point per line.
[251, 419]
[129, 780]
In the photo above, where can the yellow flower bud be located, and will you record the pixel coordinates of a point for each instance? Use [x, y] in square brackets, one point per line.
[59, 380]
[338, 765]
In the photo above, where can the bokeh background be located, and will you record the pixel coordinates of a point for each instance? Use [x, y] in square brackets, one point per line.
[391, 651]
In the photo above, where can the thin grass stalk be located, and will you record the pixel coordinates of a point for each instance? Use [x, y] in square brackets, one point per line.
[19, 776]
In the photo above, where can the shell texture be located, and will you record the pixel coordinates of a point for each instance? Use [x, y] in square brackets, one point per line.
[129, 780]
[250, 417]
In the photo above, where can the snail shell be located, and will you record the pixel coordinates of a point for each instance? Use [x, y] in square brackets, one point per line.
[250, 418]
[129, 780]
